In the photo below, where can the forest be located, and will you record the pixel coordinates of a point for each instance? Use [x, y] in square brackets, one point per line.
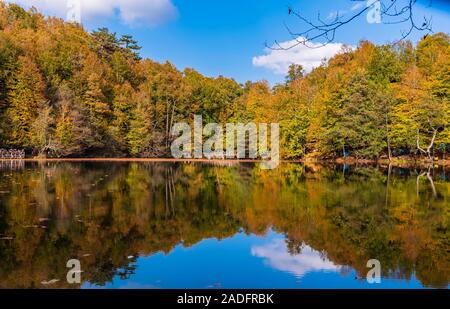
[65, 92]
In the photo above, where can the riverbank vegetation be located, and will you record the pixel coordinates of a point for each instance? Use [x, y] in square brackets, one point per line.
[65, 92]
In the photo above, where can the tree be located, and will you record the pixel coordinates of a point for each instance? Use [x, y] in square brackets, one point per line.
[26, 102]
[130, 45]
[385, 72]
[361, 120]
[105, 43]
[122, 113]
[295, 72]
[141, 130]
[72, 133]
[42, 133]
[97, 111]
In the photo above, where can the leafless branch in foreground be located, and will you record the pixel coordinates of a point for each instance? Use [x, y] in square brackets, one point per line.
[391, 12]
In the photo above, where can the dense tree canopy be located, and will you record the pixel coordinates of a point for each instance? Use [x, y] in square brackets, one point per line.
[66, 92]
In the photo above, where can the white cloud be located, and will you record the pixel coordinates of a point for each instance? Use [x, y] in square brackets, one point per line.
[310, 57]
[130, 12]
[307, 261]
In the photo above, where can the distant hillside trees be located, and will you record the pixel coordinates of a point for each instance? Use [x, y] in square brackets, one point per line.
[65, 92]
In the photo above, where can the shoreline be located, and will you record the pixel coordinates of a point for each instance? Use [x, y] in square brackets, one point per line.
[162, 160]
[403, 162]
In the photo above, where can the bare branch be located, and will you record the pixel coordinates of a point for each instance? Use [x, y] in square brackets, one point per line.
[392, 12]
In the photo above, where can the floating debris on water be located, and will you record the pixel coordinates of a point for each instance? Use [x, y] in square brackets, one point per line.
[53, 281]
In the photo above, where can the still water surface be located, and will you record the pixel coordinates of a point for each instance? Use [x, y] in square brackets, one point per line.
[186, 225]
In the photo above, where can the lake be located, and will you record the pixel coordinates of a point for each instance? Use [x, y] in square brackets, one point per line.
[222, 225]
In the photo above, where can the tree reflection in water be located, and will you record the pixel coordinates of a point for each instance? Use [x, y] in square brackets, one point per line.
[106, 214]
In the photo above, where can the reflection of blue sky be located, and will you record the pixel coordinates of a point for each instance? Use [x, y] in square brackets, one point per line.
[244, 261]
[277, 256]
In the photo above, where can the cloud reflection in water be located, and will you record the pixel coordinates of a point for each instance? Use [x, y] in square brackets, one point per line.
[277, 256]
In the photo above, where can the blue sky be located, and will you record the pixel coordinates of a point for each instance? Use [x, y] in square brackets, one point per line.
[222, 37]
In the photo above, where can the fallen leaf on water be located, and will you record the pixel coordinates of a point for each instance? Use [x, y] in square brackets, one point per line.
[86, 255]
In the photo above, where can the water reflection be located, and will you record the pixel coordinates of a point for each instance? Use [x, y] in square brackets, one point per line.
[123, 220]
[306, 260]
[11, 165]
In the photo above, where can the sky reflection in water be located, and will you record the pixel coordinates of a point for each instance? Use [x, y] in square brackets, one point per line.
[245, 261]
[163, 225]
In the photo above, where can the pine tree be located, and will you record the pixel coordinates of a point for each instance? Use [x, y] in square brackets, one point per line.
[130, 45]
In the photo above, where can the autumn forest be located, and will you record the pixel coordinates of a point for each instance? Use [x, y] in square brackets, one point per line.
[65, 92]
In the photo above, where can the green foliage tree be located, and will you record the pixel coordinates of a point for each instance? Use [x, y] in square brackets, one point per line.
[295, 72]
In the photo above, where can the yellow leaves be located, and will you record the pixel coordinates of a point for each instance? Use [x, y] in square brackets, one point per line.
[433, 52]
[413, 235]
[131, 103]
[26, 98]
[404, 214]
[64, 126]
[412, 84]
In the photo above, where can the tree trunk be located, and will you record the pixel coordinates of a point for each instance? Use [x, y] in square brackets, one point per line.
[430, 146]
[388, 139]
[167, 123]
